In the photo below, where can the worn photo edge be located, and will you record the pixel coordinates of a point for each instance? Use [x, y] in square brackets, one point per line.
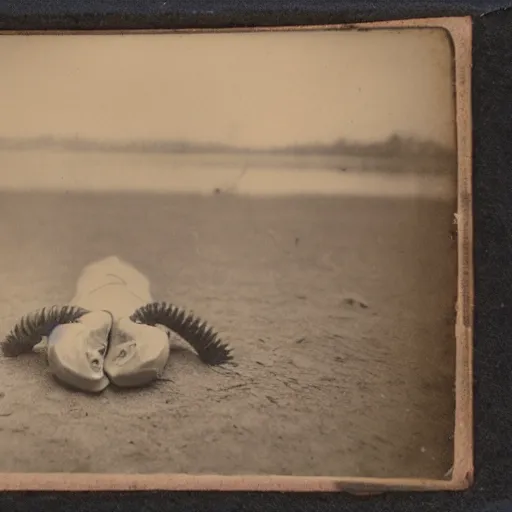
[459, 30]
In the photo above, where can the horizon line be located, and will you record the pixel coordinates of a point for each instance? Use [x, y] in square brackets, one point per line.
[76, 142]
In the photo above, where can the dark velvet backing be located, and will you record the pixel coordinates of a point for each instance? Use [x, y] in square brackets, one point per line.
[492, 111]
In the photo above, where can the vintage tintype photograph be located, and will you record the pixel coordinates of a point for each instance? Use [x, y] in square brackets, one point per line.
[230, 253]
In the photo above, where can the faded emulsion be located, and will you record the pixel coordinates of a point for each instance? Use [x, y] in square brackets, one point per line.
[238, 245]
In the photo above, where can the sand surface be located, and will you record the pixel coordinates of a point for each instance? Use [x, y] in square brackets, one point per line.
[323, 385]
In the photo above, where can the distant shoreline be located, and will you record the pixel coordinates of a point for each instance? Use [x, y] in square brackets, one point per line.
[395, 146]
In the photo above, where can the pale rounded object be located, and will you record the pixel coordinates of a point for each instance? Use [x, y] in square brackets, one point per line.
[137, 354]
[76, 352]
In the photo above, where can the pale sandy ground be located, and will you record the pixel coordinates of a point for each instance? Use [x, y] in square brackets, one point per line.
[322, 387]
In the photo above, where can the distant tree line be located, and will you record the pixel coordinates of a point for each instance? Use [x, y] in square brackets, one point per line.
[394, 146]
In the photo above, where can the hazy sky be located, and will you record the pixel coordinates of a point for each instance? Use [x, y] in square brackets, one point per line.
[246, 89]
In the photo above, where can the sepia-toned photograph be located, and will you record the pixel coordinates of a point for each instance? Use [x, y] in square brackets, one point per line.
[229, 253]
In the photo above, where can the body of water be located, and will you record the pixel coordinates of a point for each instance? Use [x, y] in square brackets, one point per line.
[164, 173]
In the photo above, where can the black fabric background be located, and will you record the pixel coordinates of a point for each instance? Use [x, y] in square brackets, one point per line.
[492, 111]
